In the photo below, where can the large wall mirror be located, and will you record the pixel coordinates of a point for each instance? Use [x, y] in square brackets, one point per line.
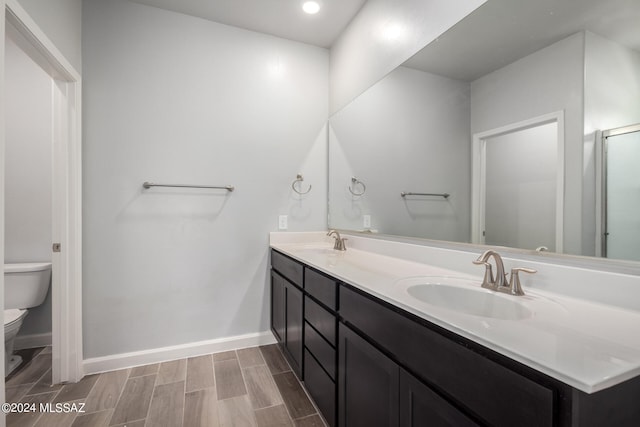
[493, 133]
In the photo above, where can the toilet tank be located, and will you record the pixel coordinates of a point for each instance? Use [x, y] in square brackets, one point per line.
[26, 284]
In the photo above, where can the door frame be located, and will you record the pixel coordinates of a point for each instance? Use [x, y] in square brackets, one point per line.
[66, 334]
[478, 174]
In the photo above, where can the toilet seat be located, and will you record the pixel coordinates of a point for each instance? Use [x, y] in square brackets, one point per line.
[13, 315]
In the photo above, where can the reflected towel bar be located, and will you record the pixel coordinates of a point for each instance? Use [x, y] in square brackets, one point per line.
[299, 178]
[445, 195]
[229, 188]
[355, 181]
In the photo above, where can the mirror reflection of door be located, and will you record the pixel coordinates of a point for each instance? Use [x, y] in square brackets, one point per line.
[622, 193]
[518, 188]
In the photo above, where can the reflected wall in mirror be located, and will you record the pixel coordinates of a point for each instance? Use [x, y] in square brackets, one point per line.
[407, 133]
[508, 62]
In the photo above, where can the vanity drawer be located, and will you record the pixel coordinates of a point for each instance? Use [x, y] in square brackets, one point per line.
[321, 388]
[321, 287]
[321, 319]
[321, 349]
[287, 267]
[495, 393]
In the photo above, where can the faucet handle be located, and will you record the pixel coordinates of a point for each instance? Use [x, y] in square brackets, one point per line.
[515, 287]
[488, 281]
[340, 244]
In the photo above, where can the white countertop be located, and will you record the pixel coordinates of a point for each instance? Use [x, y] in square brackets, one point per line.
[588, 345]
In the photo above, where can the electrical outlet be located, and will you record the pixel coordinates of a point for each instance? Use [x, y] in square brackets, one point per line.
[366, 220]
[282, 222]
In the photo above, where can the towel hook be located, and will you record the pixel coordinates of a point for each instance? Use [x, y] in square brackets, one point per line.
[299, 178]
[355, 181]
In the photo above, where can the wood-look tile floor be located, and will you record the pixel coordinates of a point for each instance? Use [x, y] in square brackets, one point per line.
[250, 387]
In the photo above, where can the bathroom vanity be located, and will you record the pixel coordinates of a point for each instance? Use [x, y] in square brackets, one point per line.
[370, 356]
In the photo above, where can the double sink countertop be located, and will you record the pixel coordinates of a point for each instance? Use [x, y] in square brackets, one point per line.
[585, 344]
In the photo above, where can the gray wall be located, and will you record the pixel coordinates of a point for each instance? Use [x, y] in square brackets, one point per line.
[61, 21]
[612, 88]
[28, 170]
[176, 99]
[544, 82]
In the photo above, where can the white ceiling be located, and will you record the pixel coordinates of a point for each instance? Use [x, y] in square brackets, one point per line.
[281, 18]
[496, 34]
[503, 31]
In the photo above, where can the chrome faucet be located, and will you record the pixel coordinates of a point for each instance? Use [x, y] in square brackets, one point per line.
[339, 244]
[500, 283]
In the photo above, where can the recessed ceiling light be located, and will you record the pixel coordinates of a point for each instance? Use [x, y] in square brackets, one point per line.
[311, 7]
[393, 32]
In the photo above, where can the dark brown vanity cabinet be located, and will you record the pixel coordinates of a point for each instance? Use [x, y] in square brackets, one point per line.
[287, 320]
[420, 406]
[368, 363]
[278, 305]
[373, 390]
[303, 320]
[368, 385]
[473, 381]
[320, 341]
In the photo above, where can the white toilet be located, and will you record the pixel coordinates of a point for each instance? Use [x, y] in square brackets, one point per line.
[25, 286]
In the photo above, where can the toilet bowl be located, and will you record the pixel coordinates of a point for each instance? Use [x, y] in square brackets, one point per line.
[12, 323]
[25, 286]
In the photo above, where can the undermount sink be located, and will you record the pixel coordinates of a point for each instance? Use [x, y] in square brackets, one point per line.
[320, 250]
[452, 294]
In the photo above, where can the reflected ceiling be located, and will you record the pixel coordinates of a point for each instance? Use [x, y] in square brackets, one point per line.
[481, 47]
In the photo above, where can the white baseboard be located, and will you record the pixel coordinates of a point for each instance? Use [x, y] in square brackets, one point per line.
[164, 354]
[32, 341]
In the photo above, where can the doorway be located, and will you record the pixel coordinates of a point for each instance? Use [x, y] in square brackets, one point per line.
[27, 177]
[65, 183]
[518, 185]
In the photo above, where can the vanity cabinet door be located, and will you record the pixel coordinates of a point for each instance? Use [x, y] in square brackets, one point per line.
[320, 387]
[294, 324]
[420, 406]
[277, 306]
[368, 384]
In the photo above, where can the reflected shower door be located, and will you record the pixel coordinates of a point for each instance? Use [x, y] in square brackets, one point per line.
[622, 194]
